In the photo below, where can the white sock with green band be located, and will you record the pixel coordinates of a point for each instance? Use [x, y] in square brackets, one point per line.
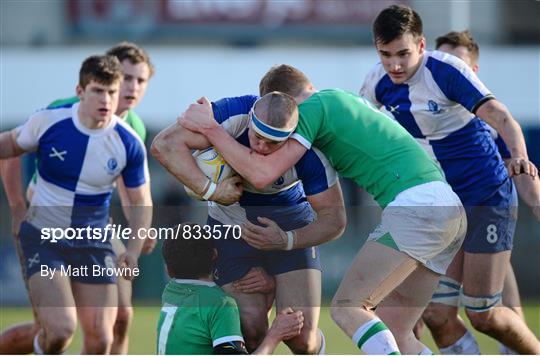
[374, 338]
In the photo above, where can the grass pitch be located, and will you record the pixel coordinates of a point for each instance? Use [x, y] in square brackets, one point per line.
[143, 331]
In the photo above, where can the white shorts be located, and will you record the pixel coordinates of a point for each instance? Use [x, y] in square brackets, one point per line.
[427, 222]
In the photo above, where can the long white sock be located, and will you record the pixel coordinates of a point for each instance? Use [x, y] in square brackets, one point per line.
[374, 338]
[322, 350]
[466, 345]
[37, 349]
[505, 350]
[426, 351]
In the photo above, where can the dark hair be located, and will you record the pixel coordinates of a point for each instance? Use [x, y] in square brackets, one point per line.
[188, 258]
[457, 39]
[132, 52]
[103, 69]
[277, 109]
[395, 21]
[283, 78]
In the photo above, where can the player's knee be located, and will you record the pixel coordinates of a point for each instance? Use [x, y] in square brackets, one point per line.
[305, 343]
[254, 332]
[482, 321]
[98, 341]
[58, 334]
[437, 316]
[123, 322]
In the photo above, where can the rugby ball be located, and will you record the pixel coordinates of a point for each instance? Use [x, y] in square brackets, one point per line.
[212, 165]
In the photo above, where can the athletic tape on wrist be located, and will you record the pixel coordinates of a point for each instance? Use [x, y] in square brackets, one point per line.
[211, 189]
[290, 241]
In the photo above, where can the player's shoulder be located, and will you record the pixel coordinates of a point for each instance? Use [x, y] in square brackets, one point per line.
[63, 103]
[375, 74]
[48, 117]
[128, 135]
[442, 62]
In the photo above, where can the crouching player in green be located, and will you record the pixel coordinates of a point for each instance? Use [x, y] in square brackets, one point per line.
[197, 317]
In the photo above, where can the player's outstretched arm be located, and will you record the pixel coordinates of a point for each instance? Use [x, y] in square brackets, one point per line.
[497, 115]
[140, 220]
[257, 169]
[329, 225]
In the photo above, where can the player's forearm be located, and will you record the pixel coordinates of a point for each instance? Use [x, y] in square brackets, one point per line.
[10, 171]
[329, 225]
[253, 167]
[140, 213]
[268, 345]
[176, 157]
[529, 190]
[498, 116]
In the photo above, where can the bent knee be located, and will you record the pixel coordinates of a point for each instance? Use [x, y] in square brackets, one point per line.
[254, 331]
[305, 343]
[123, 319]
[438, 315]
[58, 335]
[482, 321]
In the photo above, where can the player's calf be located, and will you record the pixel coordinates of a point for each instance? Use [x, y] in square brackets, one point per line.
[121, 329]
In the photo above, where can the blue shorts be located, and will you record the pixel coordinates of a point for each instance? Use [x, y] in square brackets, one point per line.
[38, 253]
[491, 225]
[236, 258]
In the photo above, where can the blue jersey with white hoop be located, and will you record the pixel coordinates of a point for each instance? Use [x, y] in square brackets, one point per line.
[77, 167]
[437, 105]
[284, 201]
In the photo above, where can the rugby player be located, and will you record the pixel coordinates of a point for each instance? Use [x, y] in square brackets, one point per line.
[443, 104]
[197, 317]
[137, 69]
[284, 205]
[81, 150]
[402, 260]
[446, 326]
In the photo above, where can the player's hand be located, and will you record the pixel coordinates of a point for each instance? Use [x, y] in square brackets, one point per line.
[518, 165]
[198, 117]
[128, 260]
[287, 324]
[228, 191]
[256, 281]
[267, 237]
[18, 214]
[148, 246]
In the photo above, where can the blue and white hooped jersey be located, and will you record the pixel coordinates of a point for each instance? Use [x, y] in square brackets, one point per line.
[283, 201]
[436, 106]
[78, 166]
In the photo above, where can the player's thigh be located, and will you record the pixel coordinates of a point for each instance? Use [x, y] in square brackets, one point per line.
[96, 307]
[511, 291]
[376, 270]
[252, 306]
[300, 290]
[53, 302]
[404, 305]
[484, 273]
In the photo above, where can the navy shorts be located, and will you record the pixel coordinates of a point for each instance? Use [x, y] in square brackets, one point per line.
[38, 252]
[491, 225]
[236, 258]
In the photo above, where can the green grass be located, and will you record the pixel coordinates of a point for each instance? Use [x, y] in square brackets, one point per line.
[143, 332]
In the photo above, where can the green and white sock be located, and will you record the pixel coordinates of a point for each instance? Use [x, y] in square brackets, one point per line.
[374, 338]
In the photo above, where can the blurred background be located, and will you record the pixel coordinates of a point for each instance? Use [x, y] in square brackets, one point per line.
[222, 48]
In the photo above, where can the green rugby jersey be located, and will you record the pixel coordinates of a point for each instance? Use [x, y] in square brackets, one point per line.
[195, 317]
[364, 144]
